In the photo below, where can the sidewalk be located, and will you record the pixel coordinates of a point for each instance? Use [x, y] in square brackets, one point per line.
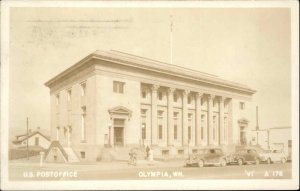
[95, 165]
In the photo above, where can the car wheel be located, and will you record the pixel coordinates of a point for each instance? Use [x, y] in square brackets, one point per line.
[283, 160]
[269, 161]
[223, 162]
[240, 162]
[201, 163]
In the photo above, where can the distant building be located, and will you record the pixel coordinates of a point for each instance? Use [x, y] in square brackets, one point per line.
[35, 139]
[274, 138]
[114, 99]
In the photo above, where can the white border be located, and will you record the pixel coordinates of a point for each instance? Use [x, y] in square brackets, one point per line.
[149, 184]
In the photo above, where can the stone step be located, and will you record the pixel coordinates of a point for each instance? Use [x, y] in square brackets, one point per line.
[72, 158]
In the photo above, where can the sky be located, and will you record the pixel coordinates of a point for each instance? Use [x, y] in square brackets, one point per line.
[246, 45]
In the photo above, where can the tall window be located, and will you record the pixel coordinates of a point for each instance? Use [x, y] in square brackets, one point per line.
[83, 124]
[83, 88]
[189, 132]
[225, 128]
[143, 131]
[175, 132]
[214, 128]
[118, 87]
[202, 126]
[57, 99]
[175, 97]
[69, 94]
[189, 99]
[242, 105]
[144, 93]
[160, 131]
[160, 95]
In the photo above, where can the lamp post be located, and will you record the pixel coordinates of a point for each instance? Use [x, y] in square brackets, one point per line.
[109, 127]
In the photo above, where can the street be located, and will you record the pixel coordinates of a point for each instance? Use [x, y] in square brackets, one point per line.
[144, 171]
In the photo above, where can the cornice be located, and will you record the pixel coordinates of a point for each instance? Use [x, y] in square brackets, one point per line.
[154, 66]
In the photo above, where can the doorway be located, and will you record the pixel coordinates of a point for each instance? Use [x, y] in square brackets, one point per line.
[119, 132]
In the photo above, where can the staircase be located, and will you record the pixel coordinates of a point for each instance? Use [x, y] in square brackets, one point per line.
[71, 155]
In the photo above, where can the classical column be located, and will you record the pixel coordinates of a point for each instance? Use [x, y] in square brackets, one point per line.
[210, 119]
[185, 118]
[221, 121]
[154, 114]
[170, 117]
[198, 119]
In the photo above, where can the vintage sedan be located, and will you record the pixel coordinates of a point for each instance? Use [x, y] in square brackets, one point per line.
[245, 156]
[203, 157]
[271, 156]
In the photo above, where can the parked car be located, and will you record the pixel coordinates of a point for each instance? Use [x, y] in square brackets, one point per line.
[271, 156]
[245, 156]
[203, 157]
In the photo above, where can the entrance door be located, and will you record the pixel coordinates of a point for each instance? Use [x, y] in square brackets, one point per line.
[118, 136]
[119, 132]
[243, 139]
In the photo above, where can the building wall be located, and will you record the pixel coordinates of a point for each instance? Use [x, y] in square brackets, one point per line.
[237, 114]
[42, 141]
[279, 138]
[107, 99]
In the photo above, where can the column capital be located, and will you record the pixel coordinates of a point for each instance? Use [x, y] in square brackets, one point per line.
[154, 87]
[171, 90]
[186, 92]
[199, 94]
[221, 98]
[210, 96]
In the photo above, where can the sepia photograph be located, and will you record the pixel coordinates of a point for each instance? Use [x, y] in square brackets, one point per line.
[149, 95]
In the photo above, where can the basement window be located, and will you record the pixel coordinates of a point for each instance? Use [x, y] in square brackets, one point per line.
[82, 154]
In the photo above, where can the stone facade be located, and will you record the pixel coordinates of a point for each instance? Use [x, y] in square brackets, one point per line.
[113, 99]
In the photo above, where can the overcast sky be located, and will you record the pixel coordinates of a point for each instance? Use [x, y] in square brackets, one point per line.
[248, 46]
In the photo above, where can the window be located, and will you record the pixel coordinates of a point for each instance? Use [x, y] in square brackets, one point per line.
[82, 154]
[83, 88]
[242, 105]
[175, 132]
[160, 95]
[175, 97]
[214, 127]
[225, 129]
[202, 126]
[83, 124]
[143, 111]
[143, 131]
[189, 99]
[190, 116]
[175, 114]
[289, 143]
[118, 87]
[160, 132]
[57, 99]
[144, 94]
[69, 94]
[160, 113]
[180, 152]
[189, 132]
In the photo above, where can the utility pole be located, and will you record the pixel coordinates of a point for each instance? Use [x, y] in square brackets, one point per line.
[27, 139]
